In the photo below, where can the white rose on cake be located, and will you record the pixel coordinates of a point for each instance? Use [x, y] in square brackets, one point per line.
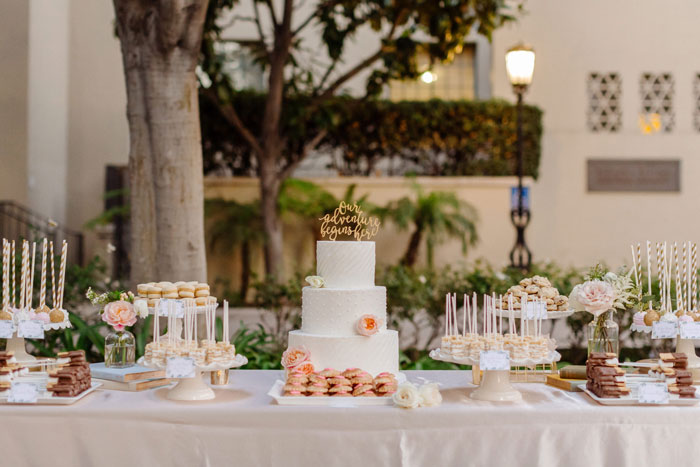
[141, 307]
[316, 282]
[430, 395]
[407, 396]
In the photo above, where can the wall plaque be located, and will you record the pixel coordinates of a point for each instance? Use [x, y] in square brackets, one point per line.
[634, 175]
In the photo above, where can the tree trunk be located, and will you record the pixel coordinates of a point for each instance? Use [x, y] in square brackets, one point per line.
[160, 44]
[411, 255]
[269, 192]
[245, 269]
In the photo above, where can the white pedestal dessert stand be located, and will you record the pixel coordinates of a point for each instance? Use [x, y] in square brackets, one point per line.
[19, 346]
[195, 389]
[495, 387]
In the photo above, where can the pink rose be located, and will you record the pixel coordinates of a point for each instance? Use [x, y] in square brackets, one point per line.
[306, 368]
[119, 315]
[295, 356]
[596, 296]
[368, 325]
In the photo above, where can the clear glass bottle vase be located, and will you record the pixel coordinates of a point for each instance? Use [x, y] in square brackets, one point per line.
[603, 334]
[120, 349]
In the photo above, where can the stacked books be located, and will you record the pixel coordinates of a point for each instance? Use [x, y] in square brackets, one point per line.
[134, 378]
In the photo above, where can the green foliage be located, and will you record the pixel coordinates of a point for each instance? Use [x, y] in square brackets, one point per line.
[436, 216]
[426, 138]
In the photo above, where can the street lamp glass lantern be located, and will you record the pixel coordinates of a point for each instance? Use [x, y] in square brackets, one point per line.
[520, 65]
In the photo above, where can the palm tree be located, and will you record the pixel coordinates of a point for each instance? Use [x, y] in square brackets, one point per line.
[435, 217]
[235, 224]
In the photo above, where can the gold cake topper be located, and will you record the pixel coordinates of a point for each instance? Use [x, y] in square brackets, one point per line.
[349, 219]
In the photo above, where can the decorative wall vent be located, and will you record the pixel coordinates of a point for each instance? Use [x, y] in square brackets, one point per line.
[696, 100]
[604, 102]
[656, 92]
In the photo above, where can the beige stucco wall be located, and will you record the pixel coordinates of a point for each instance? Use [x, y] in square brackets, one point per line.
[489, 195]
[572, 39]
[14, 36]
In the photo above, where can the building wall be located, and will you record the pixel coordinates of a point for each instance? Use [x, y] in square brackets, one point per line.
[14, 37]
[489, 195]
[97, 127]
[572, 39]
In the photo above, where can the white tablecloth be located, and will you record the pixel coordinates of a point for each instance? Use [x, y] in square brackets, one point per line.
[244, 427]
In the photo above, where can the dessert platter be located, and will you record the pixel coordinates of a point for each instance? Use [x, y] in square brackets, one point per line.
[156, 294]
[167, 351]
[66, 383]
[343, 335]
[670, 313]
[528, 347]
[536, 289]
[18, 293]
[608, 384]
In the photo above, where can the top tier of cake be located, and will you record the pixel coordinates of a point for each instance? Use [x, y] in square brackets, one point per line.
[346, 265]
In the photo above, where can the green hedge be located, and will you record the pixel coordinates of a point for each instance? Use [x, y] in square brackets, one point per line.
[426, 138]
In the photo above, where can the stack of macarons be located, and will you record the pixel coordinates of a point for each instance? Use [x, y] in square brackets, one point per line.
[154, 291]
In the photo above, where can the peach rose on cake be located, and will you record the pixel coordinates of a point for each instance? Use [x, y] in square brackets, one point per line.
[295, 356]
[368, 325]
[119, 314]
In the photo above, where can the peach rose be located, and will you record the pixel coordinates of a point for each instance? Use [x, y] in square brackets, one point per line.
[368, 325]
[307, 368]
[596, 297]
[295, 356]
[119, 315]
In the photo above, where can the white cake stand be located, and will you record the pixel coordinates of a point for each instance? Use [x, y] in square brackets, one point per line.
[495, 386]
[18, 344]
[195, 389]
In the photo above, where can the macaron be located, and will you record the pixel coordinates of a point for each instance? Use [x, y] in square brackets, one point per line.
[170, 291]
[201, 290]
[142, 290]
[155, 292]
[200, 301]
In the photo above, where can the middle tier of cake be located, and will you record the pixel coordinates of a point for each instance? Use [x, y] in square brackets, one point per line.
[336, 312]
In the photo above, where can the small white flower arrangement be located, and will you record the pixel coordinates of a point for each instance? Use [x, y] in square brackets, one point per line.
[410, 396]
[316, 282]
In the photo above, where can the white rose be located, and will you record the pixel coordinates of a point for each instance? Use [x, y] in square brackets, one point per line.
[430, 395]
[407, 396]
[316, 281]
[422, 279]
[141, 307]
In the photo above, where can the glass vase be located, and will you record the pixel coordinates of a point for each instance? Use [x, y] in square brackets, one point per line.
[603, 334]
[120, 349]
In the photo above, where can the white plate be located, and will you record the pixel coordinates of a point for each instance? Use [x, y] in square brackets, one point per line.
[436, 354]
[48, 399]
[239, 361]
[276, 393]
[674, 399]
[163, 314]
[550, 314]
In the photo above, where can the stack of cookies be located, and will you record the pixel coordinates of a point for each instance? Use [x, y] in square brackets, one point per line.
[673, 371]
[362, 382]
[72, 378]
[536, 288]
[9, 370]
[605, 378]
[385, 384]
[353, 382]
[154, 291]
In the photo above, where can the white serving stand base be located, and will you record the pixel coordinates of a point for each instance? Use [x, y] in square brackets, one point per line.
[495, 387]
[18, 346]
[191, 389]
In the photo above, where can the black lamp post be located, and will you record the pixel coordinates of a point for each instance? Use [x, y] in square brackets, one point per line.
[520, 66]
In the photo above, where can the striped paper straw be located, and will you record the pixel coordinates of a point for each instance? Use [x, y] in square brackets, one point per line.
[12, 274]
[639, 266]
[684, 283]
[30, 282]
[648, 268]
[23, 275]
[694, 274]
[62, 276]
[53, 276]
[42, 290]
[5, 274]
[679, 299]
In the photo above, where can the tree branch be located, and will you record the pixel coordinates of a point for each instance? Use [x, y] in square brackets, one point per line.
[350, 74]
[259, 28]
[273, 15]
[229, 113]
[289, 168]
[304, 24]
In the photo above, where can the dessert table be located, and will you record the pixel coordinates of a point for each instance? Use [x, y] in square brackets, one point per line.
[244, 427]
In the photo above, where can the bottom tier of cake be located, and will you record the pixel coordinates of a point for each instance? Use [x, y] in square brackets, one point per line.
[374, 354]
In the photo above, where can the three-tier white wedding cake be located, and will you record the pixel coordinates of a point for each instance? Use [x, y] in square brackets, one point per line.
[344, 321]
